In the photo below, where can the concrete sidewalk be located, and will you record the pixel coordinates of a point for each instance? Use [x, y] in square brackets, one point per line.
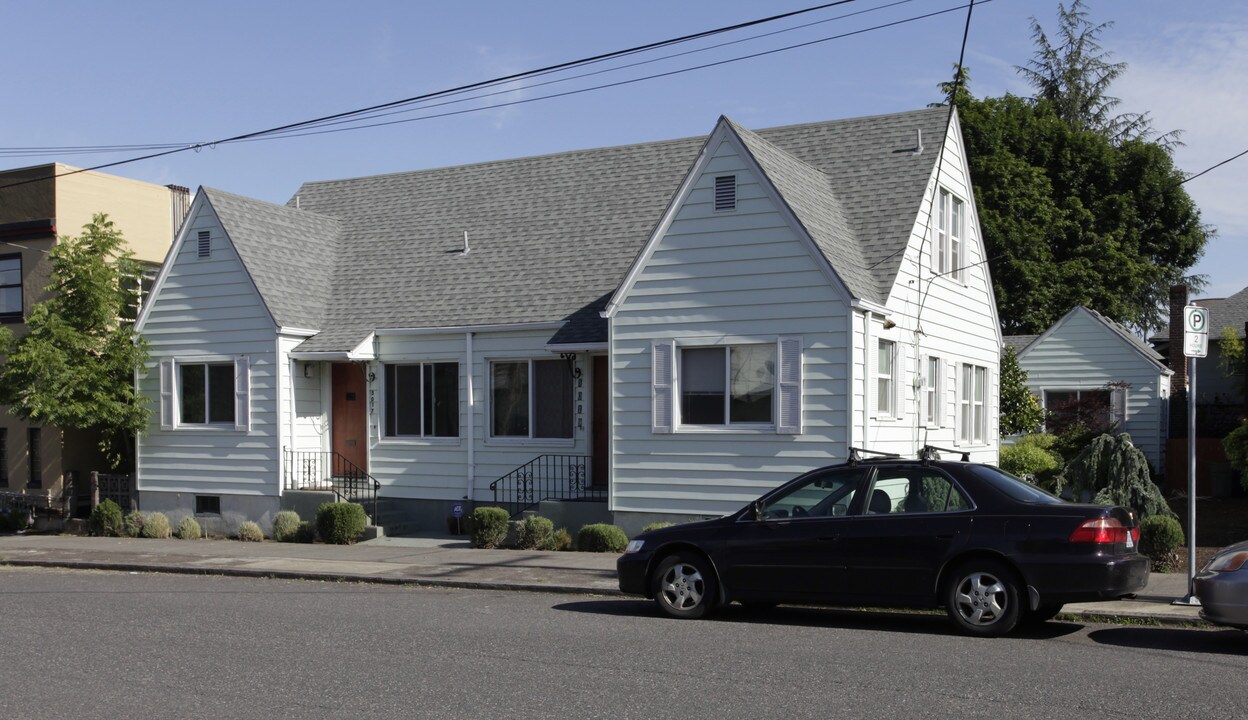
[432, 561]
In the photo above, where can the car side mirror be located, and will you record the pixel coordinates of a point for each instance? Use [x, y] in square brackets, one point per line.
[756, 510]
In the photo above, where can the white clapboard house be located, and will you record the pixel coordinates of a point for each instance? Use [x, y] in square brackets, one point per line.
[654, 331]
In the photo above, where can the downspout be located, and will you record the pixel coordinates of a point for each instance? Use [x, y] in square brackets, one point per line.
[472, 421]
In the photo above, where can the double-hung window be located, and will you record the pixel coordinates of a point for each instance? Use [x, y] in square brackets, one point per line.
[206, 393]
[422, 400]
[531, 399]
[885, 378]
[972, 404]
[950, 235]
[10, 287]
[733, 385]
[931, 392]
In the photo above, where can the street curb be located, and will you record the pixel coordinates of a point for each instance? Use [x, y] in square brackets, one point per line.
[327, 577]
[1115, 617]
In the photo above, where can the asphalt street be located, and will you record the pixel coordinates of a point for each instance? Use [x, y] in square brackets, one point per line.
[90, 644]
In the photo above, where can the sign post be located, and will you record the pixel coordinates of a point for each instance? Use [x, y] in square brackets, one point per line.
[1195, 345]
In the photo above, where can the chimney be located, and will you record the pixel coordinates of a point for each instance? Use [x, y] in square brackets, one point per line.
[179, 206]
[1178, 363]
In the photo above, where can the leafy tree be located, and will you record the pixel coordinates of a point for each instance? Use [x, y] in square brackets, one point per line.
[1074, 210]
[1020, 411]
[75, 366]
[1231, 355]
[1236, 447]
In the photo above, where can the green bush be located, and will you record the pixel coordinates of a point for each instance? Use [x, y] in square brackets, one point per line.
[536, 533]
[306, 532]
[16, 519]
[601, 537]
[1113, 471]
[250, 532]
[340, 523]
[656, 526]
[286, 526]
[489, 526]
[560, 539]
[5, 525]
[106, 519]
[188, 529]
[132, 524]
[1160, 538]
[156, 525]
[1032, 457]
[1236, 447]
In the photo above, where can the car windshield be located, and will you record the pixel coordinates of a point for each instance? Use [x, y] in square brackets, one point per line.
[1011, 486]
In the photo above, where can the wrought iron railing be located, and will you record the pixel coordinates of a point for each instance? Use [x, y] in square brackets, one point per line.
[329, 470]
[118, 487]
[547, 477]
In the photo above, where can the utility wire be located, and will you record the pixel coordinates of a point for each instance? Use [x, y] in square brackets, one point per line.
[1214, 167]
[462, 88]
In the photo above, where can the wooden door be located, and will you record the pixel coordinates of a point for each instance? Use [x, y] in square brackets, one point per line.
[600, 432]
[349, 413]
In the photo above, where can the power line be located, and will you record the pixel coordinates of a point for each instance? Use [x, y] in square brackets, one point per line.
[460, 89]
[1214, 167]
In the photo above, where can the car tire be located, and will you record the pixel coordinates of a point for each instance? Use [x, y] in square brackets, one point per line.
[684, 586]
[982, 598]
[1042, 614]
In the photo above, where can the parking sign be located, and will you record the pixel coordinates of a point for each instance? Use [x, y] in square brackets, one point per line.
[1195, 331]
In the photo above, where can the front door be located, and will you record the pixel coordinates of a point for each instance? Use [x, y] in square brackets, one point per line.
[600, 430]
[349, 414]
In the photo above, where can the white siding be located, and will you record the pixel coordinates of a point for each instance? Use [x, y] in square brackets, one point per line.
[438, 468]
[208, 308]
[952, 319]
[304, 407]
[1081, 353]
[721, 279]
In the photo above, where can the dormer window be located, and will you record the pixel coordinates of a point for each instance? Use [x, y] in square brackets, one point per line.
[725, 192]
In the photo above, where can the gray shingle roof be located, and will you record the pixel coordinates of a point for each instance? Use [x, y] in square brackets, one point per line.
[551, 237]
[1229, 312]
[289, 253]
[1019, 342]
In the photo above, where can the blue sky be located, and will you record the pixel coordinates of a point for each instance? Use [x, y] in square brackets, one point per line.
[135, 72]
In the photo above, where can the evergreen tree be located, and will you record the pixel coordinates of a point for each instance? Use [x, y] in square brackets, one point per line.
[1020, 410]
[75, 365]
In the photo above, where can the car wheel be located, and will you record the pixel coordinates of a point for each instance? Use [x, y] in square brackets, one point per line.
[982, 598]
[1042, 614]
[684, 586]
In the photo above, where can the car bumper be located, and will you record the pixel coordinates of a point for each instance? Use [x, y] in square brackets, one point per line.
[1224, 597]
[631, 569]
[1090, 579]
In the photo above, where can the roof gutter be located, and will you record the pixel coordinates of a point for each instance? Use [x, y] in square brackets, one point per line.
[456, 329]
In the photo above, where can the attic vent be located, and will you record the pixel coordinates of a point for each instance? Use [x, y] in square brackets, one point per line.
[205, 245]
[726, 192]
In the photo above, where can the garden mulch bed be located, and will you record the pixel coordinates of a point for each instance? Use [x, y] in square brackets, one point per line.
[1219, 522]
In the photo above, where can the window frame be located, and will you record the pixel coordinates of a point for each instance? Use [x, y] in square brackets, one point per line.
[171, 396]
[932, 406]
[531, 438]
[207, 365]
[951, 249]
[1078, 403]
[18, 314]
[885, 381]
[388, 398]
[972, 410]
[727, 424]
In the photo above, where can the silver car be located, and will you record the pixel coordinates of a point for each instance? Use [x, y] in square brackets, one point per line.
[1222, 587]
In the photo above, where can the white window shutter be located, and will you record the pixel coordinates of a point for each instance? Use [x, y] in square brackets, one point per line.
[959, 378]
[242, 393]
[789, 397]
[938, 396]
[167, 394]
[872, 381]
[1118, 405]
[992, 395]
[663, 369]
[899, 381]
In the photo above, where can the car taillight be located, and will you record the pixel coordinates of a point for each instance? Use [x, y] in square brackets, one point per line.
[1228, 563]
[1135, 535]
[1103, 530]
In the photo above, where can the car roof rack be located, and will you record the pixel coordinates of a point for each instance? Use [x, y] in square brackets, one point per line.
[930, 452]
[855, 454]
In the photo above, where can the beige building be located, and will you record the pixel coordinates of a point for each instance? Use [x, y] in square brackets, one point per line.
[37, 205]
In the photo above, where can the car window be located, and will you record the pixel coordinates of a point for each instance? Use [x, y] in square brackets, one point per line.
[1011, 486]
[827, 494]
[913, 490]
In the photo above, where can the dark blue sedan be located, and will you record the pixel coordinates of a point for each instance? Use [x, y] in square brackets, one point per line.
[990, 548]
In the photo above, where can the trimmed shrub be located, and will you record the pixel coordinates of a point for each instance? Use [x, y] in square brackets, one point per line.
[189, 529]
[1113, 471]
[286, 526]
[601, 537]
[156, 525]
[1160, 538]
[15, 520]
[559, 540]
[656, 526]
[1032, 457]
[250, 532]
[106, 519]
[536, 532]
[489, 526]
[132, 524]
[306, 532]
[340, 523]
